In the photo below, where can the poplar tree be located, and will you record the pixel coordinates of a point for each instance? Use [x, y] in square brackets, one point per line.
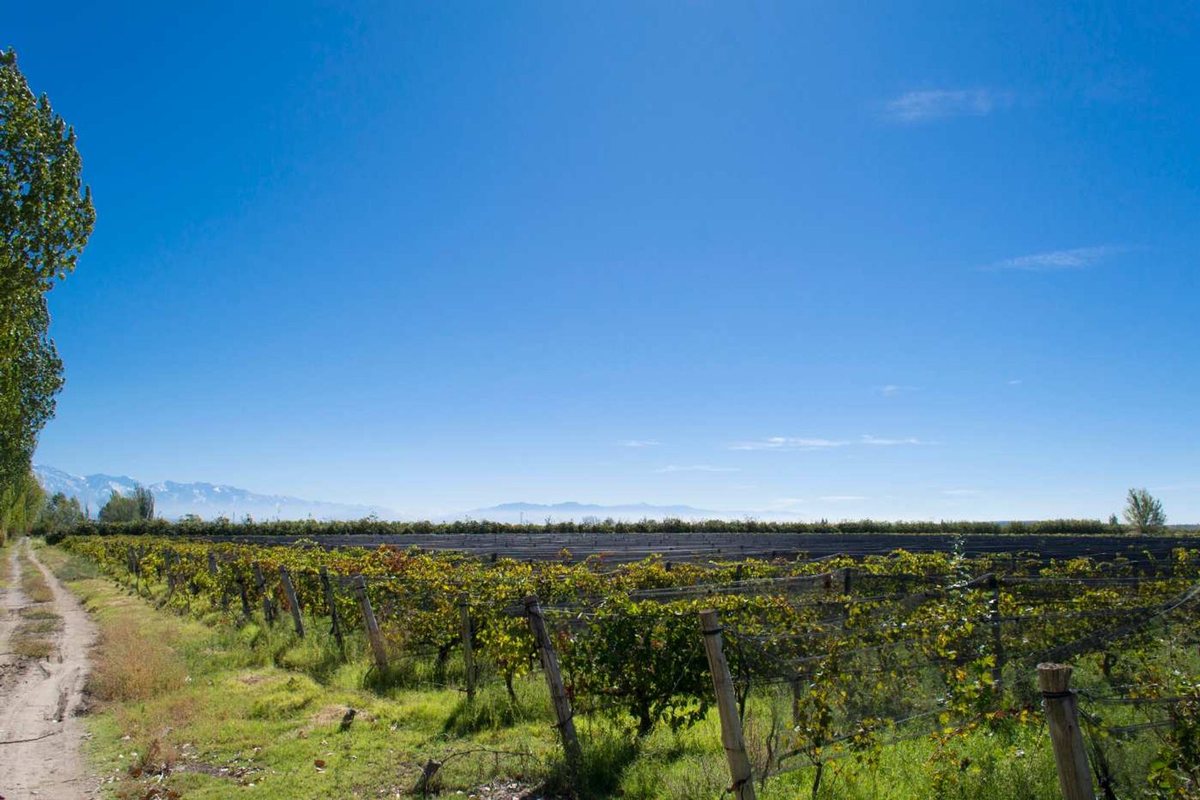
[46, 217]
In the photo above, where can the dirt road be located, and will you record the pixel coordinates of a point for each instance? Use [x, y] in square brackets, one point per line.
[40, 732]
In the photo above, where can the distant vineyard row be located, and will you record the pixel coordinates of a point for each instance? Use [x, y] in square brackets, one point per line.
[376, 527]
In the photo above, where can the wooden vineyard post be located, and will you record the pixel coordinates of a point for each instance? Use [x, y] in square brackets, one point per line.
[212, 571]
[1062, 715]
[997, 638]
[293, 602]
[245, 598]
[373, 634]
[727, 708]
[468, 646]
[335, 622]
[558, 692]
[261, 583]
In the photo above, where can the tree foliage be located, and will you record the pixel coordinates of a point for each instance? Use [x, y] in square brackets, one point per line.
[136, 507]
[20, 502]
[46, 217]
[59, 515]
[1143, 511]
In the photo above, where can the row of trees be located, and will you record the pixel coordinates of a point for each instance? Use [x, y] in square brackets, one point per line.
[62, 514]
[46, 217]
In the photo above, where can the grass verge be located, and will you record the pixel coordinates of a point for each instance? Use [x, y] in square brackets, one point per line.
[34, 636]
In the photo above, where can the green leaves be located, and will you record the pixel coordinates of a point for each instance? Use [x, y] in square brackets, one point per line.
[46, 217]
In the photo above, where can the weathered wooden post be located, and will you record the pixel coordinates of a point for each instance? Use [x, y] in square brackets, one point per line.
[335, 621]
[261, 584]
[1062, 714]
[293, 602]
[997, 638]
[468, 646]
[558, 692]
[168, 563]
[212, 563]
[373, 634]
[245, 599]
[727, 708]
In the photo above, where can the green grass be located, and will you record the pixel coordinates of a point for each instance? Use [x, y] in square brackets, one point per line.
[34, 635]
[223, 711]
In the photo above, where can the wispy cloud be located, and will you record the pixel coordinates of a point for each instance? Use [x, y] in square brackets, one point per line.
[1015, 382]
[935, 104]
[883, 442]
[787, 443]
[842, 498]
[787, 502]
[960, 492]
[695, 468]
[802, 443]
[639, 443]
[894, 389]
[1073, 258]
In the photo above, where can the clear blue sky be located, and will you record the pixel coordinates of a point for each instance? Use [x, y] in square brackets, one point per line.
[904, 261]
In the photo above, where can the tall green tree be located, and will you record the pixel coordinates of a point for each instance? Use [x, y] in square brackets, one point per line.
[20, 504]
[59, 515]
[46, 217]
[1143, 511]
[131, 508]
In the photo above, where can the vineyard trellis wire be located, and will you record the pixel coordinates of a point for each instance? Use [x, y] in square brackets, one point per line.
[869, 648]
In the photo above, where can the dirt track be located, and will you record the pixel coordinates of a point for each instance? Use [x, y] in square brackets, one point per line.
[40, 733]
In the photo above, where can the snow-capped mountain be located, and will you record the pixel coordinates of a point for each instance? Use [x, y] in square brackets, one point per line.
[585, 512]
[172, 500]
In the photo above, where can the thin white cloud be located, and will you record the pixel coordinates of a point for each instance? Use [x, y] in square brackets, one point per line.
[842, 498]
[1015, 382]
[639, 443]
[935, 104]
[882, 442]
[695, 468]
[894, 389]
[787, 443]
[960, 492]
[1073, 258]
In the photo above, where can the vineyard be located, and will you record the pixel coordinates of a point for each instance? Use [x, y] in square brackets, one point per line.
[815, 665]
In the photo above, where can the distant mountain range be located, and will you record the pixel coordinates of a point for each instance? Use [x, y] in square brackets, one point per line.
[172, 500]
[578, 512]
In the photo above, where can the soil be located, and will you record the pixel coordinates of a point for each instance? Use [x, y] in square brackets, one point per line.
[41, 735]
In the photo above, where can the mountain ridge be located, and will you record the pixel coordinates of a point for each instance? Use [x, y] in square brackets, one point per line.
[174, 499]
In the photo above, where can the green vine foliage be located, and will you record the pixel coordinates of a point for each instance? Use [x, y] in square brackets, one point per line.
[870, 649]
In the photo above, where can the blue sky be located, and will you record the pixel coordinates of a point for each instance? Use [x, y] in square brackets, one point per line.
[901, 261]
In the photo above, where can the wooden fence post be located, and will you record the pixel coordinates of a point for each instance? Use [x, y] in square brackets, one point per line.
[727, 708]
[335, 622]
[558, 692]
[261, 583]
[997, 638]
[373, 634]
[294, 602]
[1062, 714]
[464, 608]
[212, 563]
